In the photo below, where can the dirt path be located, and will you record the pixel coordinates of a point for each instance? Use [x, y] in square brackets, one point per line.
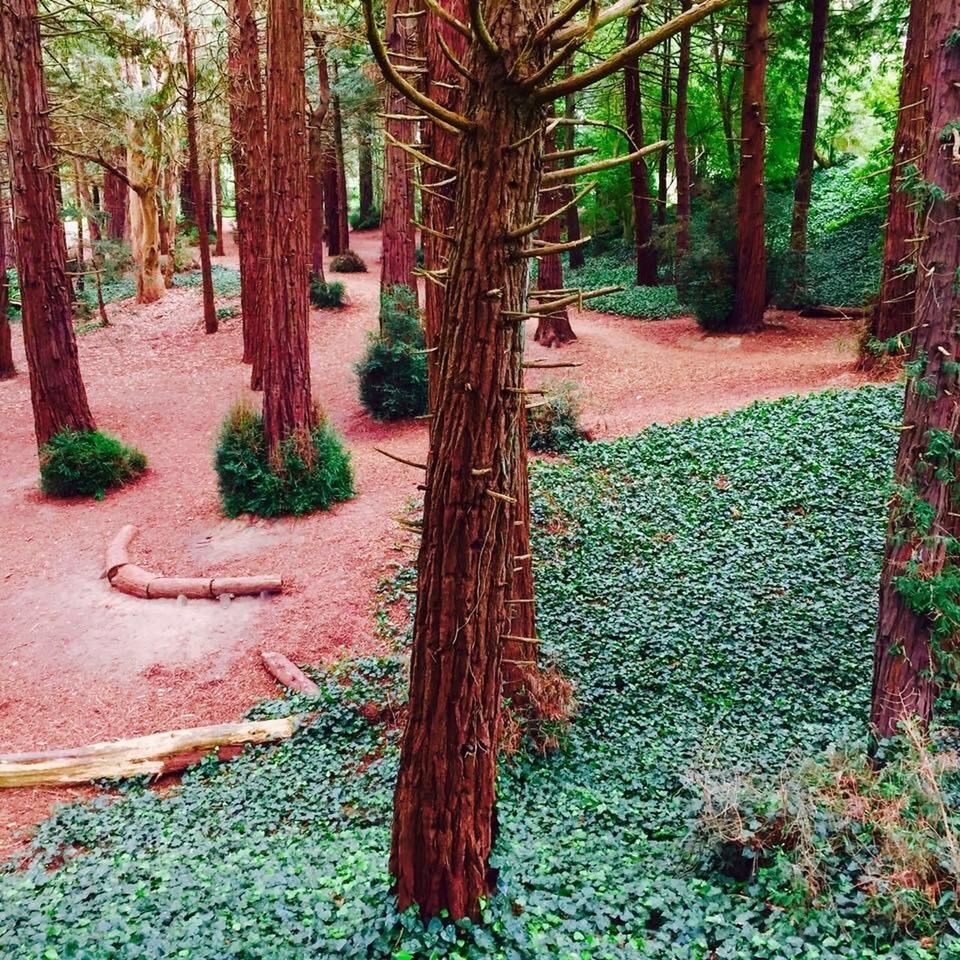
[83, 662]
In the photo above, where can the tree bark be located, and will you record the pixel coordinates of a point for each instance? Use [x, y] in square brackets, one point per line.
[337, 241]
[365, 167]
[248, 151]
[287, 406]
[750, 265]
[894, 314]
[168, 223]
[201, 198]
[342, 209]
[681, 154]
[317, 119]
[7, 367]
[88, 205]
[56, 387]
[808, 144]
[910, 643]
[115, 200]
[218, 250]
[639, 174]
[573, 214]
[81, 252]
[188, 208]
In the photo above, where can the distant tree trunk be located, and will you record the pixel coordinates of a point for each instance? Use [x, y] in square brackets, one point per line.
[248, 151]
[317, 119]
[911, 643]
[724, 97]
[808, 145]
[7, 367]
[168, 223]
[88, 205]
[336, 242]
[399, 259]
[663, 168]
[115, 200]
[681, 155]
[188, 207]
[365, 168]
[287, 406]
[81, 252]
[342, 210]
[56, 386]
[573, 214]
[894, 313]
[201, 198]
[218, 217]
[639, 174]
[750, 297]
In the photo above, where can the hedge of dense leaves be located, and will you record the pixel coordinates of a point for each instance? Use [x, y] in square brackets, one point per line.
[711, 588]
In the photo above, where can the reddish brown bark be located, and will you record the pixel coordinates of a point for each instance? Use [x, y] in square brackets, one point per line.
[342, 207]
[639, 174]
[56, 386]
[89, 207]
[287, 406]
[681, 156]
[81, 252]
[365, 168]
[399, 259]
[894, 314]
[7, 367]
[115, 200]
[201, 198]
[573, 214]
[317, 118]
[905, 658]
[337, 238]
[248, 151]
[750, 264]
[218, 207]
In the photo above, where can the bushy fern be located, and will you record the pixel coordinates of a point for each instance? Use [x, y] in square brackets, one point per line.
[393, 372]
[347, 262]
[250, 483]
[324, 294]
[87, 463]
[553, 424]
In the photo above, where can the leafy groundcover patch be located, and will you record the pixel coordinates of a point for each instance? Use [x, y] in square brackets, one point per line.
[710, 586]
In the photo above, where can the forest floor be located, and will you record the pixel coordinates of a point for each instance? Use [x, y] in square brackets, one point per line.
[82, 662]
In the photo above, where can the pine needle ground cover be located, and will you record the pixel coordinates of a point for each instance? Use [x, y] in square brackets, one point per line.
[710, 587]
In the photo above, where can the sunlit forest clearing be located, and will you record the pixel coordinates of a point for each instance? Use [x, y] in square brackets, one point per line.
[478, 479]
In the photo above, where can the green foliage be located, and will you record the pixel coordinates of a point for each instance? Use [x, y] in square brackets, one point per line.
[711, 588]
[553, 423]
[618, 269]
[369, 222]
[393, 372]
[227, 313]
[326, 295]
[294, 485]
[348, 262]
[226, 280]
[87, 464]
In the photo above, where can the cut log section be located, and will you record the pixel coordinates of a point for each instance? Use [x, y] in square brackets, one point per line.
[153, 756]
[829, 312]
[288, 674]
[128, 578]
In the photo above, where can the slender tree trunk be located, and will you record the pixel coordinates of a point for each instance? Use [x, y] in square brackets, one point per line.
[681, 154]
[201, 198]
[56, 386]
[365, 168]
[751, 254]
[342, 210]
[89, 205]
[188, 207]
[7, 367]
[911, 643]
[168, 222]
[573, 214]
[287, 406]
[399, 258]
[316, 159]
[81, 252]
[663, 168]
[248, 148]
[639, 174]
[115, 200]
[808, 144]
[218, 250]
[331, 177]
[724, 104]
[894, 313]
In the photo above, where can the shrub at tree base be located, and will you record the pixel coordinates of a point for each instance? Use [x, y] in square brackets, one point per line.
[369, 221]
[323, 294]
[553, 426]
[348, 262]
[87, 464]
[393, 372]
[250, 483]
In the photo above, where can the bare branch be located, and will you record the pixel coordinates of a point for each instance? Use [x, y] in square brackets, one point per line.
[622, 8]
[556, 22]
[480, 29]
[434, 7]
[416, 154]
[546, 249]
[454, 62]
[568, 173]
[536, 224]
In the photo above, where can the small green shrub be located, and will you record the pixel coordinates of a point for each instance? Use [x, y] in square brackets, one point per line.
[393, 371]
[227, 313]
[324, 294]
[553, 424]
[250, 483]
[348, 262]
[226, 280]
[369, 221]
[87, 463]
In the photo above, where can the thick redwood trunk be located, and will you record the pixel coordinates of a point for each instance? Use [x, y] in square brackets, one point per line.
[56, 387]
[248, 151]
[911, 639]
[218, 250]
[750, 266]
[681, 153]
[365, 168]
[639, 174]
[894, 314]
[7, 367]
[399, 258]
[573, 214]
[115, 200]
[316, 181]
[287, 407]
[201, 197]
[808, 141]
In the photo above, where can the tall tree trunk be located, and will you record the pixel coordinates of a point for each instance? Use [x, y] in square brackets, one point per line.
[7, 367]
[663, 168]
[365, 167]
[342, 210]
[115, 200]
[808, 145]
[89, 205]
[573, 214]
[287, 406]
[724, 104]
[201, 197]
[56, 387]
[750, 266]
[81, 252]
[331, 176]
[188, 207]
[914, 640]
[248, 150]
[639, 174]
[218, 250]
[317, 119]
[168, 221]
[894, 313]
[681, 154]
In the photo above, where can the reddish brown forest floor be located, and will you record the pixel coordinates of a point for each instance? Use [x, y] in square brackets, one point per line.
[81, 662]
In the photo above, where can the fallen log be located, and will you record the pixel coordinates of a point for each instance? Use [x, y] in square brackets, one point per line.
[828, 312]
[288, 673]
[154, 755]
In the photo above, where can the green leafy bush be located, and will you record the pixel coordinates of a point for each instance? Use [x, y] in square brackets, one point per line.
[648, 303]
[553, 423]
[348, 262]
[325, 294]
[393, 372]
[250, 483]
[226, 280]
[369, 222]
[87, 464]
